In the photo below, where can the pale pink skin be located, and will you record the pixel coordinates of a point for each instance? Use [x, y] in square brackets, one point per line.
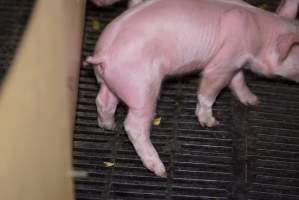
[110, 2]
[168, 37]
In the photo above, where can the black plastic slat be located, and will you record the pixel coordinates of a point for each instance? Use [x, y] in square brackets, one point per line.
[14, 15]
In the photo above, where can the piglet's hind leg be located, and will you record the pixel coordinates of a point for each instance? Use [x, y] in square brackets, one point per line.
[137, 125]
[106, 103]
[138, 122]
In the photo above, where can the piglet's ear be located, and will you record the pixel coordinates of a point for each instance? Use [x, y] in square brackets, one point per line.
[285, 43]
[288, 8]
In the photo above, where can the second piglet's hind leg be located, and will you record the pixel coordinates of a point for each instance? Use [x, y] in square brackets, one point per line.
[106, 103]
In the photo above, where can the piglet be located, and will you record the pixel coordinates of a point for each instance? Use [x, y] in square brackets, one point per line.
[110, 2]
[160, 38]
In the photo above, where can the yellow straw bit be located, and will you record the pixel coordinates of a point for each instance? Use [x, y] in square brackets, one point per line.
[157, 121]
[96, 25]
[108, 164]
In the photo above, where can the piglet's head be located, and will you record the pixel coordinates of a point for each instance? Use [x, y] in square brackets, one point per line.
[288, 56]
[287, 44]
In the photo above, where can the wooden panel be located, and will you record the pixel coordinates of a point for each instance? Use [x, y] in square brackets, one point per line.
[37, 103]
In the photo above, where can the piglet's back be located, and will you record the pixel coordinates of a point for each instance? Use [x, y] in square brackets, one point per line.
[166, 18]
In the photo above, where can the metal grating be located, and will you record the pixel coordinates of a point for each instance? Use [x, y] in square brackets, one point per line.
[14, 15]
[252, 155]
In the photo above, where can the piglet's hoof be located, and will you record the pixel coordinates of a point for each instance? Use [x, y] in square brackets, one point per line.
[156, 166]
[159, 170]
[208, 122]
[250, 100]
[109, 125]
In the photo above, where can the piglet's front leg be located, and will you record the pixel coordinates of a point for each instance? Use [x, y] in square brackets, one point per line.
[211, 85]
[224, 66]
[217, 75]
[241, 90]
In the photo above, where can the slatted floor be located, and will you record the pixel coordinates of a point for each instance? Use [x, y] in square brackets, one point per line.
[273, 142]
[14, 15]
